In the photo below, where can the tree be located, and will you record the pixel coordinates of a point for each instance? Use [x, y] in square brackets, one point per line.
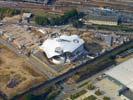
[8, 12]
[71, 13]
[41, 20]
[69, 16]
[77, 24]
[15, 12]
[55, 20]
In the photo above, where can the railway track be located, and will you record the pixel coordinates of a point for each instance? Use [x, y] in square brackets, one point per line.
[31, 6]
[79, 68]
[65, 5]
[113, 5]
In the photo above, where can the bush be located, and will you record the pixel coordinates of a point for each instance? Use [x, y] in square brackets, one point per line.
[69, 16]
[8, 12]
[41, 20]
[76, 95]
[98, 92]
[91, 87]
[106, 98]
[92, 97]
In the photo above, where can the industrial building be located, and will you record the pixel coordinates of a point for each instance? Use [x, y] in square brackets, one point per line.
[63, 49]
[122, 74]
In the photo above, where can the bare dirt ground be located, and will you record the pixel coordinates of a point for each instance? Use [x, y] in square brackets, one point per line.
[16, 75]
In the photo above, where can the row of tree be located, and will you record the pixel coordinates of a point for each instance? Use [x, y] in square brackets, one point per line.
[69, 16]
[8, 12]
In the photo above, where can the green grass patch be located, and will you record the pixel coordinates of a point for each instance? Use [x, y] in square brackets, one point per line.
[91, 97]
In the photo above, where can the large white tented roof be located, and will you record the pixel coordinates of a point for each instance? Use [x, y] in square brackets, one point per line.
[123, 73]
[55, 46]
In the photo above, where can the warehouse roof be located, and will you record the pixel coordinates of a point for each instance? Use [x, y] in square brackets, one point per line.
[123, 73]
[56, 46]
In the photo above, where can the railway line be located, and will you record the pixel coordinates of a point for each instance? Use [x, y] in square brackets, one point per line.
[30, 6]
[80, 5]
[77, 69]
[60, 7]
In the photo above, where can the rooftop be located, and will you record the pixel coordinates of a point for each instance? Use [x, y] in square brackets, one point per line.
[64, 43]
[123, 73]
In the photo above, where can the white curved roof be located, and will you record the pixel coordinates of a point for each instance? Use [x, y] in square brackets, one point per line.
[62, 44]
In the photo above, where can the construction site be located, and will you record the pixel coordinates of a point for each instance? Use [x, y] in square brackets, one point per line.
[25, 65]
[16, 74]
[27, 40]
